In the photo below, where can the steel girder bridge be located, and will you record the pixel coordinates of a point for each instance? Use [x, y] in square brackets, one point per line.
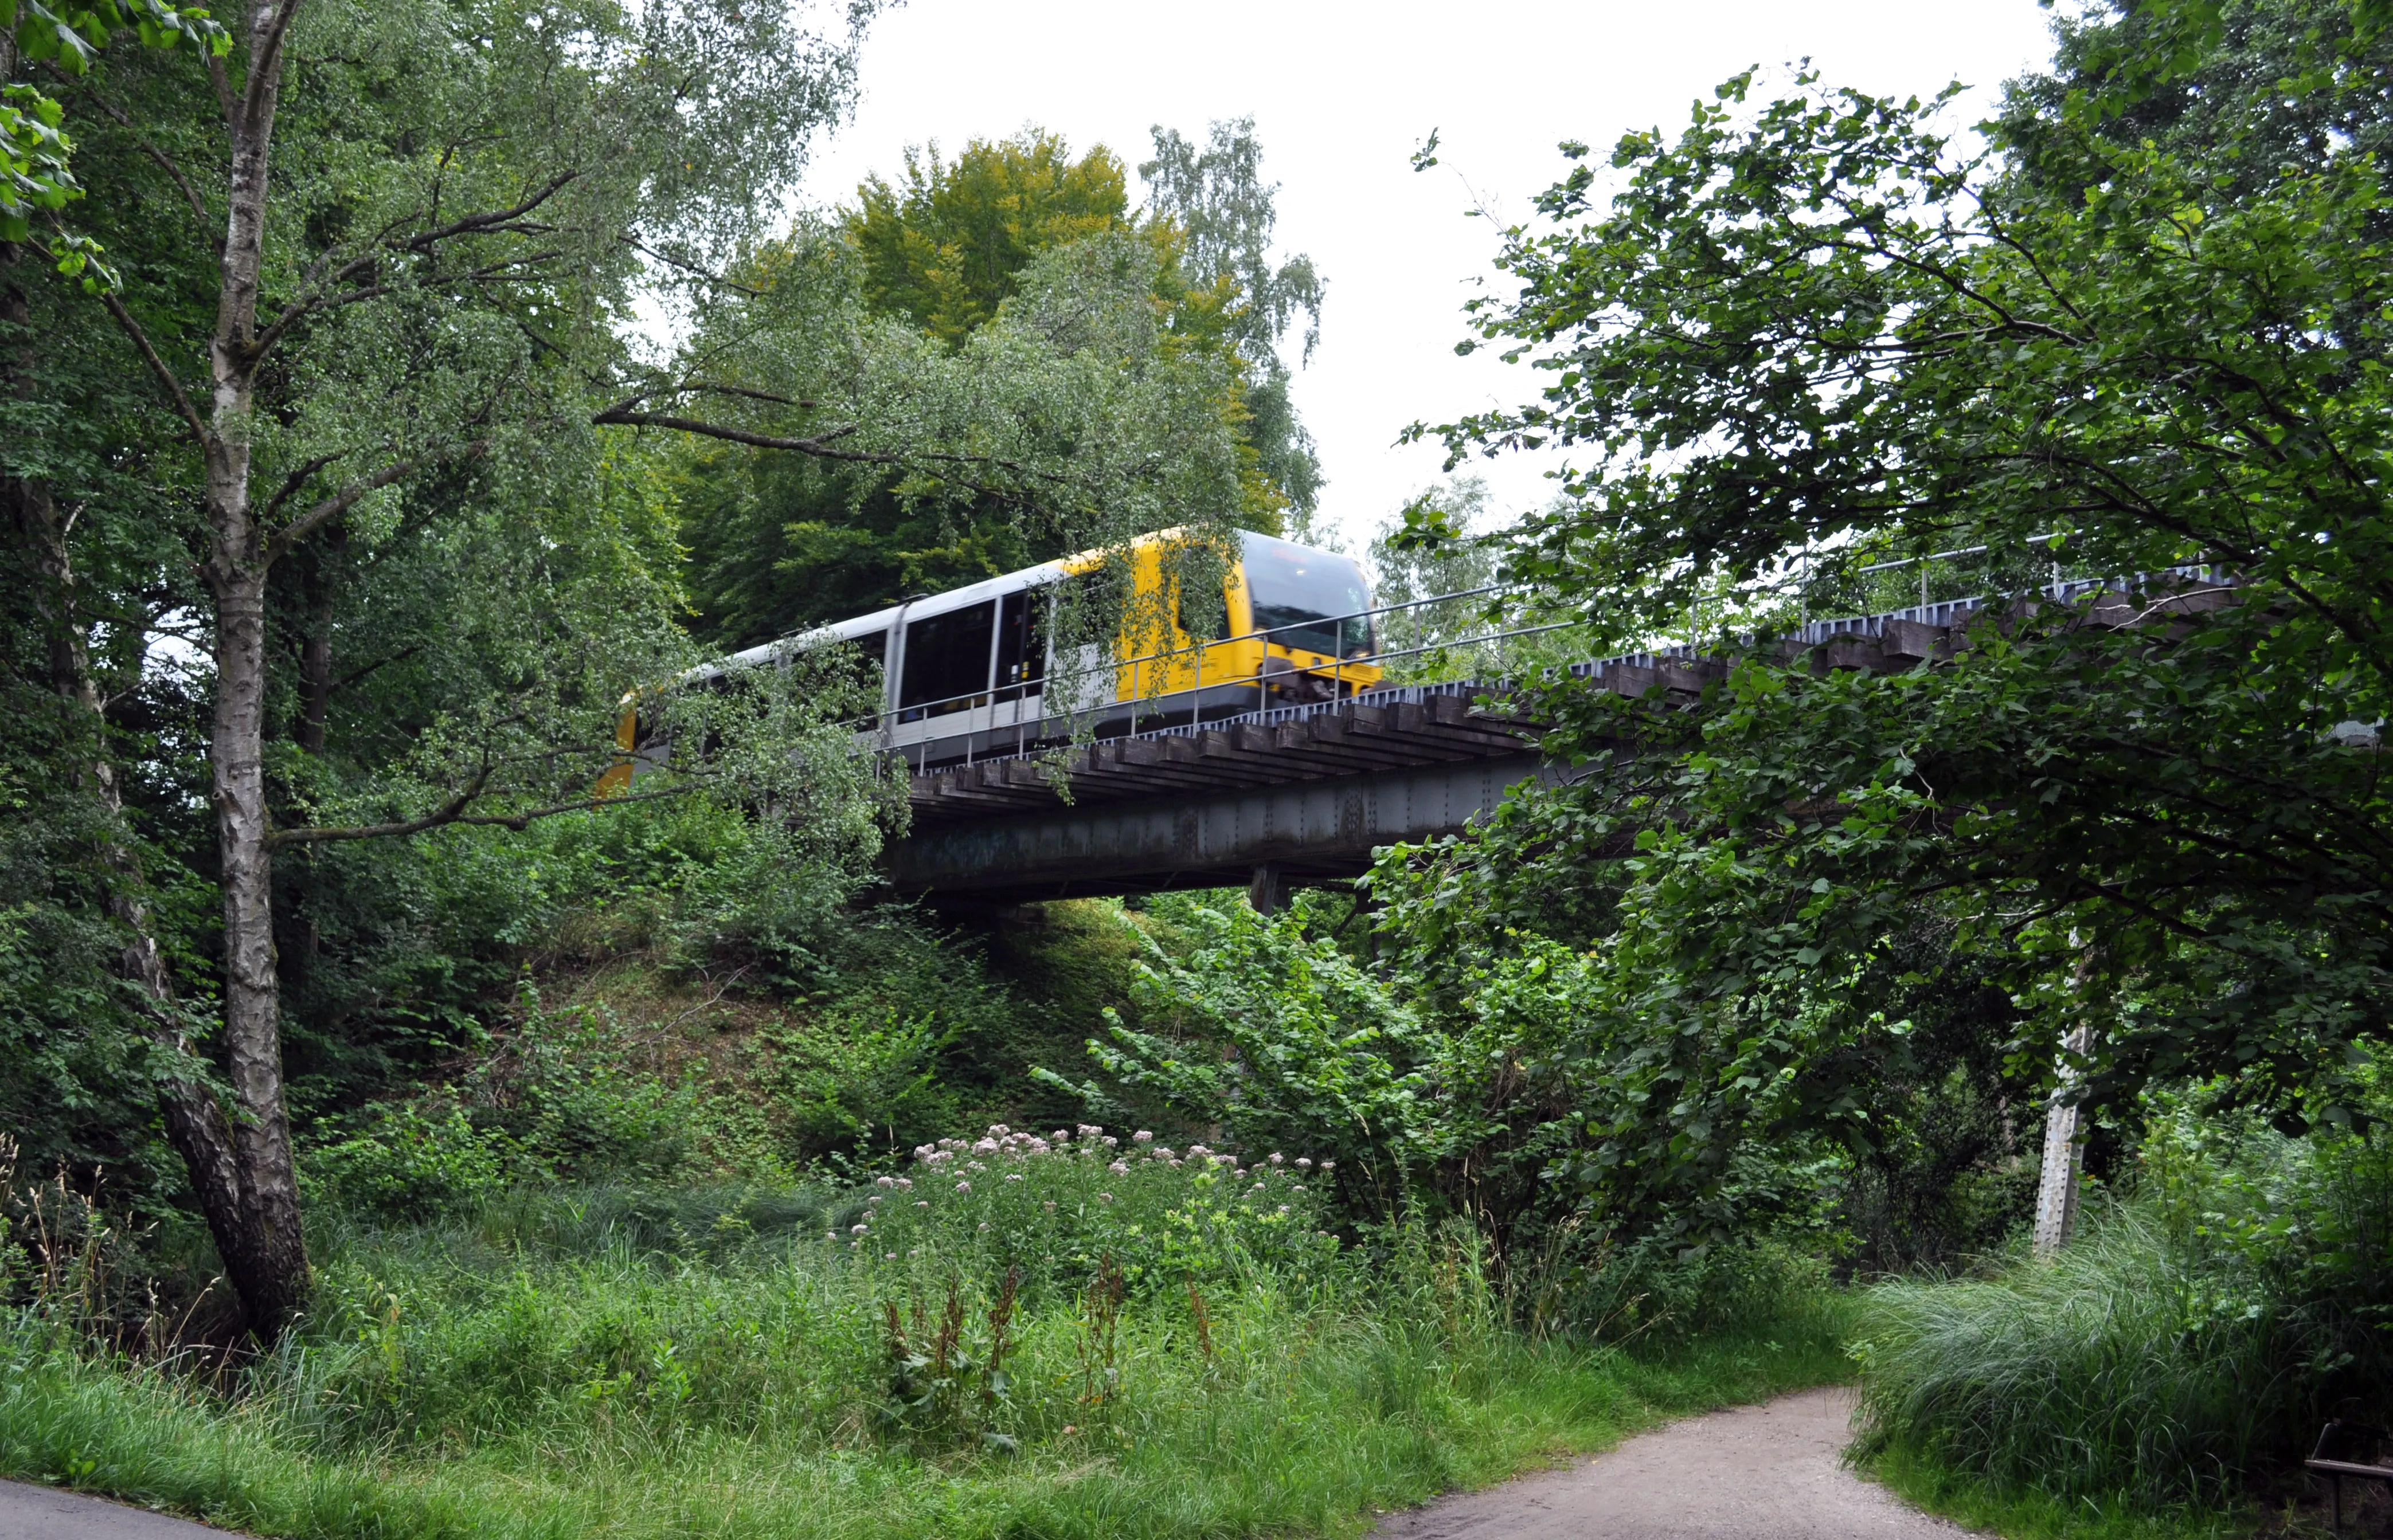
[1295, 794]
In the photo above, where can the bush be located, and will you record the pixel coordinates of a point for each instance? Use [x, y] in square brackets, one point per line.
[554, 1099]
[1059, 1209]
[469, 1388]
[409, 1160]
[1652, 1289]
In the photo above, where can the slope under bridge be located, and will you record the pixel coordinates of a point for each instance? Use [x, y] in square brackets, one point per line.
[1294, 794]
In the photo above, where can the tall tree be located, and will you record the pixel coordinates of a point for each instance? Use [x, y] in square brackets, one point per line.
[1225, 214]
[946, 248]
[983, 246]
[401, 322]
[1818, 328]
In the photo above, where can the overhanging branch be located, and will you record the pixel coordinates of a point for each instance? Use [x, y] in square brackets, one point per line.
[157, 365]
[454, 812]
[340, 502]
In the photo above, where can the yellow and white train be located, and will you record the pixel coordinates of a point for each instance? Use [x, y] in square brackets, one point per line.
[967, 674]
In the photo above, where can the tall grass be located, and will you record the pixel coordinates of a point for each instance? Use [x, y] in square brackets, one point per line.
[1163, 1352]
[2101, 1372]
[2193, 1338]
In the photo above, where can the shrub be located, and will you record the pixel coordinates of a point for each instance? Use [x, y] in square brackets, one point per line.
[1060, 1207]
[1652, 1289]
[409, 1160]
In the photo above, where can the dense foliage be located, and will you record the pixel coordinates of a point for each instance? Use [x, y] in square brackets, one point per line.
[1803, 336]
[627, 1129]
[630, 1358]
[2199, 1333]
[391, 561]
[1074, 329]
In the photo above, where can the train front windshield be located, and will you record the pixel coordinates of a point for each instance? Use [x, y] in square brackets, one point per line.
[1300, 597]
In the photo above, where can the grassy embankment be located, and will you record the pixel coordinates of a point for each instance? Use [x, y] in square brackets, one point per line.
[1184, 1354]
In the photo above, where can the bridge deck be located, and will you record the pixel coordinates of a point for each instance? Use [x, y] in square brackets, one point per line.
[1395, 727]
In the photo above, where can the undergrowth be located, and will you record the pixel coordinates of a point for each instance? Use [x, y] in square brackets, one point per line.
[2176, 1358]
[2028, 1513]
[1123, 1339]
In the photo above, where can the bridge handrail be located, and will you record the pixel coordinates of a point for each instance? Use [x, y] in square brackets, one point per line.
[1944, 612]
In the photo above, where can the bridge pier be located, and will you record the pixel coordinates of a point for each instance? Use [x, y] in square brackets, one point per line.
[1267, 889]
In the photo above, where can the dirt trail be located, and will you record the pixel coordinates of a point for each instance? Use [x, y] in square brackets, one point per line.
[1767, 1472]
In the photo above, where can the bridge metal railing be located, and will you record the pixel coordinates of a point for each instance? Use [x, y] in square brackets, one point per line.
[1035, 733]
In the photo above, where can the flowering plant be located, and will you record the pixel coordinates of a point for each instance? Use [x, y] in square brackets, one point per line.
[1055, 1206]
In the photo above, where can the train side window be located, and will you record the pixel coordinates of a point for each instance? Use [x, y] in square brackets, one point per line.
[873, 647]
[946, 660]
[1021, 650]
[1203, 617]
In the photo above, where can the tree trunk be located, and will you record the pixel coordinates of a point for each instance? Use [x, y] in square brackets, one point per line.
[2064, 1147]
[267, 1258]
[196, 1124]
[321, 571]
[263, 1249]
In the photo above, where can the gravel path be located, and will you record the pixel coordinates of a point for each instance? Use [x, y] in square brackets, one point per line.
[1767, 1472]
[46, 1513]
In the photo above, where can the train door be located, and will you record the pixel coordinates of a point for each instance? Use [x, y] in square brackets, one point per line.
[1021, 675]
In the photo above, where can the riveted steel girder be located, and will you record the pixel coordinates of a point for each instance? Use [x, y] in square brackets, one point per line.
[1312, 830]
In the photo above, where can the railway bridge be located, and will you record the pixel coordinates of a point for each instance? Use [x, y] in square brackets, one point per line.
[1306, 793]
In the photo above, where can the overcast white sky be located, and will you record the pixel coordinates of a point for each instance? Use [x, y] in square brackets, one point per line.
[1340, 94]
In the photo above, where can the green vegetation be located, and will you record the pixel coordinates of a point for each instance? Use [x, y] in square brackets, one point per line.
[2029, 1514]
[1012, 243]
[2195, 1333]
[1094, 1340]
[407, 1141]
